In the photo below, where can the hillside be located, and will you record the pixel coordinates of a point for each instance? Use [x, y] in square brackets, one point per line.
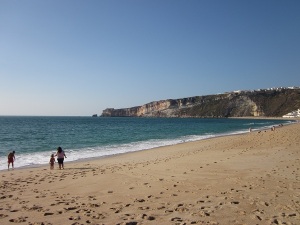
[269, 102]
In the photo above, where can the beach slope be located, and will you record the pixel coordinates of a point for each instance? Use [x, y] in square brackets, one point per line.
[252, 178]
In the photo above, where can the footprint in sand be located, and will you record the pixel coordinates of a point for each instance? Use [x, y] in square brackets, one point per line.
[18, 220]
[3, 215]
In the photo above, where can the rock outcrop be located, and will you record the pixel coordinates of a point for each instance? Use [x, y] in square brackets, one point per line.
[269, 103]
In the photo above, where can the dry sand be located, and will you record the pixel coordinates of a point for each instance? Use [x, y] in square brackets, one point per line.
[242, 179]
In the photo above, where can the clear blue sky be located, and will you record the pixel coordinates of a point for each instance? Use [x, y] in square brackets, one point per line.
[74, 57]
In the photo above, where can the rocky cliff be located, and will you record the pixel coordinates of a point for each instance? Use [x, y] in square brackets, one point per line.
[269, 103]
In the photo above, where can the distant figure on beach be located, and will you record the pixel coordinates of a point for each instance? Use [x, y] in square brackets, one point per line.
[10, 159]
[250, 129]
[60, 157]
[51, 162]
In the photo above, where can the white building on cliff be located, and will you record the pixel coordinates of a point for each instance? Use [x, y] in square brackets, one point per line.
[293, 114]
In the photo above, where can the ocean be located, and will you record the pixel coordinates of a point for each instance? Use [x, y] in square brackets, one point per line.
[35, 138]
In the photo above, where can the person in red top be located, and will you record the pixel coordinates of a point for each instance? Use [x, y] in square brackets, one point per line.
[10, 159]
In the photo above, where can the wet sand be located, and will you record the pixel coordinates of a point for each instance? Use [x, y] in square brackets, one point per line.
[253, 178]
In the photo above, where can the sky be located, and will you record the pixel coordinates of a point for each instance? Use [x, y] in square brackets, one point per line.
[77, 58]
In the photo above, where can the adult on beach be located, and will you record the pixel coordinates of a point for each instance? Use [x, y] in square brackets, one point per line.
[10, 159]
[60, 157]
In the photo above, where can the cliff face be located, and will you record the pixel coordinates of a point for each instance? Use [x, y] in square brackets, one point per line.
[246, 103]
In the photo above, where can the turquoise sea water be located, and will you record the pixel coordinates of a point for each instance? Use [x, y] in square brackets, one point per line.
[35, 138]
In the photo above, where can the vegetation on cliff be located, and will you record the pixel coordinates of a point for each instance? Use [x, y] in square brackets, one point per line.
[274, 102]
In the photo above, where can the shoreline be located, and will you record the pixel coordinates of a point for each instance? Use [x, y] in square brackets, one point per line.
[114, 155]
[253, 178]
[268, 118]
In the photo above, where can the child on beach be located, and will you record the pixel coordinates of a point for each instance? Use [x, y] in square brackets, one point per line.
[52, 161]
[10, 159]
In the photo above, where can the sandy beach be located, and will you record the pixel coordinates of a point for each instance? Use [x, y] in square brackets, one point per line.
[252, 178]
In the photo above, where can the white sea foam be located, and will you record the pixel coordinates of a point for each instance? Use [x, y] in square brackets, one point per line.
[42, 158]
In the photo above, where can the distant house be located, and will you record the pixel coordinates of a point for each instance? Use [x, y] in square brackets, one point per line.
[293, 114]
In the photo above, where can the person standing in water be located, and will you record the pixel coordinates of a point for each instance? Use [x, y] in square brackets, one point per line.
[60, 157]
[10, 159]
